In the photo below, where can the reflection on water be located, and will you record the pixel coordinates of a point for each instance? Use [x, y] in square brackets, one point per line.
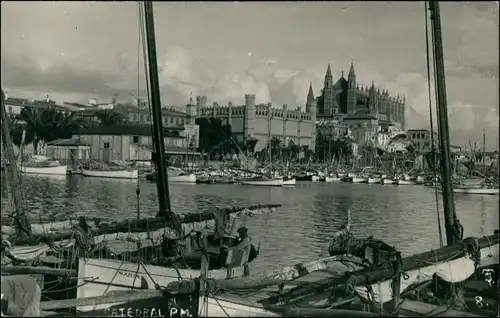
[404, 216]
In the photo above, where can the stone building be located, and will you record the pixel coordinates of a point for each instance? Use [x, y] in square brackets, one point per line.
[347, 97]
[131, 142]
[171, 118]
[260, 121]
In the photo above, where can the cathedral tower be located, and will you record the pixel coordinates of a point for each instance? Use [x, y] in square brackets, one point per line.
[328, 91]
[351, 90]
[310, 101]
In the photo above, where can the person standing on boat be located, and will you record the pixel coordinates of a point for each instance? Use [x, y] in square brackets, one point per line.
[243, 239]
[239, 253]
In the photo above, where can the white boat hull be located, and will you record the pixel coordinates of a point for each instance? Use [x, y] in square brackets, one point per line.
[188, 178]
[359, 180]
[333, 179]
[388, 181]
[115, 174]
[289, 181]
[97, 277]
[374, 180]
[57, 170]
[476, 191]
[352, 174]
[263, 183]
[405, 182]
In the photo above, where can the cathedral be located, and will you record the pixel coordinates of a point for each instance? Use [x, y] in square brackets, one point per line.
[346, 98]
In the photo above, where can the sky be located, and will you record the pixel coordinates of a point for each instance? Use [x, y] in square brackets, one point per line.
[74, 51]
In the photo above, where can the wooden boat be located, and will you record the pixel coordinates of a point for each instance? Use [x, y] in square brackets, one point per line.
[55, 170]
[374, 180]
[332, 179]
[131, 277]
[101, 276]
[420, 180]
[183, 178]
[341, 175]
[263, 182]
[289, 181]
[115, 174]
[405, 182]
[484, 191]
[388, 181]
[38, 164]
[255, 303]
[359, 179]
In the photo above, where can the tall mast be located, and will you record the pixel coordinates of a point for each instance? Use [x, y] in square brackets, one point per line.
[451, 223]
[20, 215]
[484, 152]
[162, 177]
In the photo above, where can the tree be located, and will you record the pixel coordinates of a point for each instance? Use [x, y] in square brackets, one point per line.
[109, 117]
[214, 136]
[250, 144]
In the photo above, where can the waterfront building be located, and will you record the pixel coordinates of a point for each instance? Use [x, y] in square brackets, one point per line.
[14, 106]
[68, 151]
[421, 139]
[133, 142]
[171, 118]
[260, 121]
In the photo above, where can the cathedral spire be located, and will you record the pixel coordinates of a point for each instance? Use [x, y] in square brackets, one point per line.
[310, 94]
[351, 70]
[328, 71]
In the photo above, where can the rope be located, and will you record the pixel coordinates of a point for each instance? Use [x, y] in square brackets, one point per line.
[433, 148]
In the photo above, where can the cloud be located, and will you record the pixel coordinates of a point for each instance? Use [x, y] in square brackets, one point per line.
[92, 52]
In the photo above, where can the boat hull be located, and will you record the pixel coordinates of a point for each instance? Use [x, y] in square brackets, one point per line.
[476, 191]
[57, 170]
[264, 183]
[289, 181]
[101, 276]
[332, 179]
[405, 182]
[359, 180]
[187, 178]
[115, 174]
[374, 180]
[388, 181]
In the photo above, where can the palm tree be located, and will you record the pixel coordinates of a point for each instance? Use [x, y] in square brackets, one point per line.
[32, 120]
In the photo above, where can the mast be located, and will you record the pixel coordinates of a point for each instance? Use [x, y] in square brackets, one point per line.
[451, 223]
[20, 214]
[269, 106]
[158, 139]
[484, 152]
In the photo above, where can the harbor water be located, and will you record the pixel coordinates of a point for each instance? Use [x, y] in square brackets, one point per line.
[404, 216]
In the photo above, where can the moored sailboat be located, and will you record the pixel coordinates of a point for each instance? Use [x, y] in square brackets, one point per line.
[43, 165]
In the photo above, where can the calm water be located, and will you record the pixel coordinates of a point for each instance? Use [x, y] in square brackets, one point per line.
[404, 216]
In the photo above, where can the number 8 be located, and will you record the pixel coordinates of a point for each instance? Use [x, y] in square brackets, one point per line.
[479, 301]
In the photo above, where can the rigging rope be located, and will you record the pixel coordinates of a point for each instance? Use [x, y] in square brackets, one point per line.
[433, 148]
[139, 38]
